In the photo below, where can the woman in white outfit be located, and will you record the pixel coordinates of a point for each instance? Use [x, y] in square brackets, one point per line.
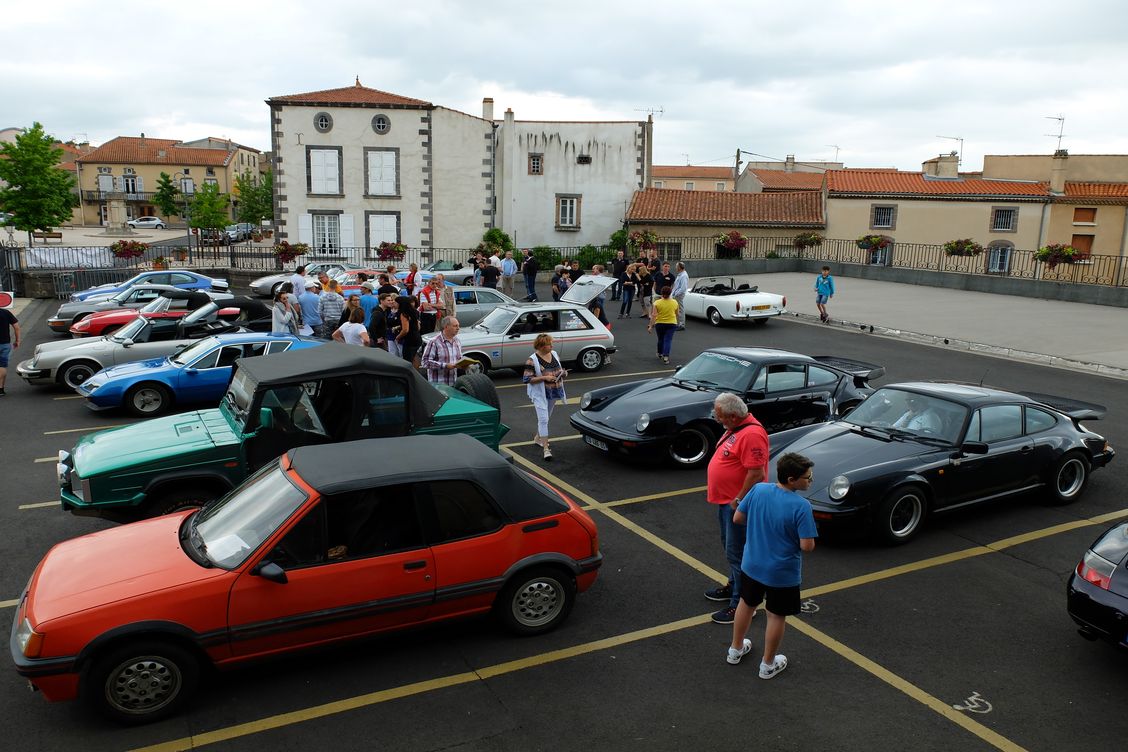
[545, 379]
[282, 317]
[353, 332]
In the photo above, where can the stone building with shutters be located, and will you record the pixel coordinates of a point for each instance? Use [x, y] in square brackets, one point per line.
[356, 166]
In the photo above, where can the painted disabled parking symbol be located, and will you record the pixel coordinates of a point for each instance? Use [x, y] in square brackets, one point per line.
[975, 704]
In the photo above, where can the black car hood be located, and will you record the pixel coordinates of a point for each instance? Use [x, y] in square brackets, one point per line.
[657, 397]
[838, 448]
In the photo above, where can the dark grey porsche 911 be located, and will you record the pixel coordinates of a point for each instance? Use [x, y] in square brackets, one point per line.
[915, 448]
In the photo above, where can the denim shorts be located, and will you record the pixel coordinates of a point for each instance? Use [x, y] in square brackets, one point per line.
[5, 352]
[821, 299]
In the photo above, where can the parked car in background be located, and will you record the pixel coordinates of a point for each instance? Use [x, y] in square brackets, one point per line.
[171, 304]
[721, 299]
[471, 304]
[141, 223]
[917, 448]
[239, 231]
[504, 337]
[317, 547]
[1097, 593]
[319, 395]
[182, 278]
[454, 272]
[199, 373]
[135, 297]
[71, 362]
[268, 285]
[672, 417]
[213, 236]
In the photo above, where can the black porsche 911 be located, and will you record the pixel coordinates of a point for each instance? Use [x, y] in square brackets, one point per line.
[916, 448]
[1097, 594]
[673, 417]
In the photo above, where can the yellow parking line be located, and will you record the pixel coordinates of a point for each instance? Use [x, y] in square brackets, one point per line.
[39, 505]
[652, 497]
[569, 401]
[593, 378]
[52, 458]
[9, 604]
[74, 396]
[416, 688]
[82, 430]
[553, 439]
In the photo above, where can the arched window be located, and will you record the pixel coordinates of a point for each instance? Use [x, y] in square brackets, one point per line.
[999, 254]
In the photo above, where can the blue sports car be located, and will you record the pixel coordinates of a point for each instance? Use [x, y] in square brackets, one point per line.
[198, 373]
[181, 278]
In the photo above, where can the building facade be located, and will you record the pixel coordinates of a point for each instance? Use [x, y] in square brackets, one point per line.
[692, 178]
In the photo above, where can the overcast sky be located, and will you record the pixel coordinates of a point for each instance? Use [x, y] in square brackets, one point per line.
[881, 81]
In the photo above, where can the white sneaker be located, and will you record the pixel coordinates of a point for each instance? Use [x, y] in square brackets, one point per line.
[734, 655]
[778, 665]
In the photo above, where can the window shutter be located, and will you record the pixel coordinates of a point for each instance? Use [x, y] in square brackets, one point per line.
[382, 173]
[305, 228]
[316, 171]
[140, 182]
[346, 227]
[381, 228]
[331, 172]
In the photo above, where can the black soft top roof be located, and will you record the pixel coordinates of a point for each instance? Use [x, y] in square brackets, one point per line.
[369, 463]
[335, 359]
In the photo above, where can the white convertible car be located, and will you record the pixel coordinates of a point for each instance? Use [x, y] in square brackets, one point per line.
[720, 299]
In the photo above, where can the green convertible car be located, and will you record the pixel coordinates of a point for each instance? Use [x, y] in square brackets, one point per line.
[275, 403]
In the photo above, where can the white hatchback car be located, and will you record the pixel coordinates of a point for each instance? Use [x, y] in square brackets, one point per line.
[504, 337]
[720, 299]
[151, 223]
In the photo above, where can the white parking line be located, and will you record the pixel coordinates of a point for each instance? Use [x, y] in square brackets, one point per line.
[569, 401]
[81, 430]
[52, 458]
[39, 505]
[593, 378]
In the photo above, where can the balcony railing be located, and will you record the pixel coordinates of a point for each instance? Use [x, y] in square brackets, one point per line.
[126, 195]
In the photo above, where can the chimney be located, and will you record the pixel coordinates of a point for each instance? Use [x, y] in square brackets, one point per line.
[509, 116]
[789, 163]
[487, 109]
[943, 166]
[1057, 172]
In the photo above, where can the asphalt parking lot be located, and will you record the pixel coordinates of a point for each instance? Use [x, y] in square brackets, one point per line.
[959, 640]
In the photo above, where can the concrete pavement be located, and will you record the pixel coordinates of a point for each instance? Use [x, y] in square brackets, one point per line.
[1076, 336]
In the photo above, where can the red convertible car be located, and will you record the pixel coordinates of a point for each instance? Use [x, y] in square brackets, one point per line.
[318, 546]
[171, 306]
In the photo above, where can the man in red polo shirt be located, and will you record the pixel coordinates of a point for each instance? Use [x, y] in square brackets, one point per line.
[739, 462]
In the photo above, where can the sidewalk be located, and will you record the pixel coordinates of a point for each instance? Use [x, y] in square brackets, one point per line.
[1050, 332]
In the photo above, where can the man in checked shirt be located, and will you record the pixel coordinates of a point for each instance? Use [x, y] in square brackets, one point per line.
[441, 355]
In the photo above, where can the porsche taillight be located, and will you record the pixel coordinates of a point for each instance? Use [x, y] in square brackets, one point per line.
[1096, 570]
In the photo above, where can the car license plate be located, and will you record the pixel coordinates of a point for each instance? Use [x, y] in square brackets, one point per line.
[760, 307]
[596, 443]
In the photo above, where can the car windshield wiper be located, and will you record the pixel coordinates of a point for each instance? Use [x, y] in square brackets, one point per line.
[867, 430]
[922, 439]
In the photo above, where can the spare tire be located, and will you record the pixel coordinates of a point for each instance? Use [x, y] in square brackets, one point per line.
[480, 387]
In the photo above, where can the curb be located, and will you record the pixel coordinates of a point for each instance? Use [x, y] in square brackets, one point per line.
[1053, 361]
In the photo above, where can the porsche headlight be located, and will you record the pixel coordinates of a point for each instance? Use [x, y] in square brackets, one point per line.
[585, 401]
[28, 640]
[643, 422]
[839, 487]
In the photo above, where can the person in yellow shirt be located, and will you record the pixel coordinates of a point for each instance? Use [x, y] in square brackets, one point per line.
[664, 322]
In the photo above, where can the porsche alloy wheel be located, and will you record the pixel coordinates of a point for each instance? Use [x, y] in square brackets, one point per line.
[692, 446]
[900, 516]
[537, 600]
[73, 375]
[1071, 473]
[715, 317]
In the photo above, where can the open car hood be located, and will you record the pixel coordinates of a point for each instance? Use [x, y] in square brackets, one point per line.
[586, 289]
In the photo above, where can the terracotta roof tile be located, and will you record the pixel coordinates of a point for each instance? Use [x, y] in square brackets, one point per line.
[689, 171]
[886, 183]
[134, 150]
[780, 180]
[355, 94]
[1096, 190]
[671, 206]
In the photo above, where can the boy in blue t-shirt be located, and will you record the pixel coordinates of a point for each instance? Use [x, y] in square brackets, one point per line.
[781, 528]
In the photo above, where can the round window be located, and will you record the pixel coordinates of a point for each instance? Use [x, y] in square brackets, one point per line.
[381, 124]
[323, 122]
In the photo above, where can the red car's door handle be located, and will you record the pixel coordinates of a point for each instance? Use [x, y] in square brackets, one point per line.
[412, 565]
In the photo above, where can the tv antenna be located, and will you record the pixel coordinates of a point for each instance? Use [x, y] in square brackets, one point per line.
[1061, 127]
[960, 139]
[686, 158]
[652, 110]
[836, 147]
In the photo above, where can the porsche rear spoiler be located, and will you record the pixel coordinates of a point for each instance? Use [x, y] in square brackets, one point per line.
[1075, 409]
[856, 368]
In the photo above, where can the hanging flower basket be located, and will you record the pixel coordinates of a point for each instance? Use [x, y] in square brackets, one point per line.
[128, 249]
[872, 242]
[646, 240]
[1056, 253]
[732, 241]
[391, 251]
[806, 240]
[286, 251]
[160, 262]
[965, 247]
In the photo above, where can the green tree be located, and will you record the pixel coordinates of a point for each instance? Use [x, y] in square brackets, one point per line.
[498, 237]
[167, 197]
[38, 192]
[256, 201]
[618, 240]
[209, 207]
